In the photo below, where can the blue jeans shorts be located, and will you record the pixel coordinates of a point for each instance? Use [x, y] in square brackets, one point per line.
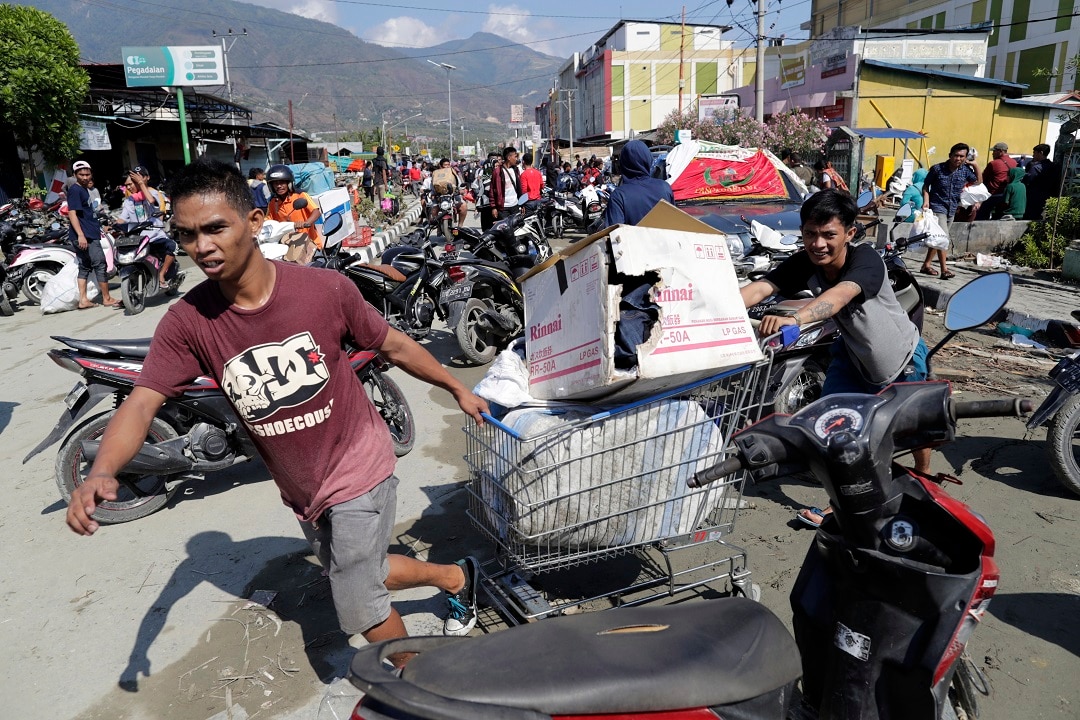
[843, 377]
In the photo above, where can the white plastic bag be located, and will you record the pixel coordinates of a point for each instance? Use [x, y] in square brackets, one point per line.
[974, 194]
[61, 292]
[925, 222]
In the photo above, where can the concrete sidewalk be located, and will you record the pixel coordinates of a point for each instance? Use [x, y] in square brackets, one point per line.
[388, 235]
[1034, 302]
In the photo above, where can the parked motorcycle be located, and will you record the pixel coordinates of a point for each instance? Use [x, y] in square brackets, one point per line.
[888, 596]
[484, 305]
[140, 253]
[404, 288]
[1060, 412]
[193, 434]
[32, 267]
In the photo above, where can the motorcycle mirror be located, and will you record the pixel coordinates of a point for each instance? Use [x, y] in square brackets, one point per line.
[865, 199]
[299, 203]
[978, 302]
[974, 304]
[790, 240]
[331, 224]
[904, 212]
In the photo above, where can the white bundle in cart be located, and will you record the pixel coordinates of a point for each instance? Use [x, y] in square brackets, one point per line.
[611, 483]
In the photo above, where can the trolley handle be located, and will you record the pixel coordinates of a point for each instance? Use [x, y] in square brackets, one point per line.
[722, 469]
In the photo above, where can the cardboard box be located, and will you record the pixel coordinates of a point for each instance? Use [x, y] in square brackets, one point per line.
[337, 201]
[571, 310]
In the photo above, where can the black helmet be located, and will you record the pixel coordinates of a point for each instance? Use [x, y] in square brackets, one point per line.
[279, 172]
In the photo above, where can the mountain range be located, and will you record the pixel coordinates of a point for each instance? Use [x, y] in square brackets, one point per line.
[336, 80]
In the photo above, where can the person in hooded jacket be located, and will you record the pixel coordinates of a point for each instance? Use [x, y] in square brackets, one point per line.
[1014, 198]
[638, 193]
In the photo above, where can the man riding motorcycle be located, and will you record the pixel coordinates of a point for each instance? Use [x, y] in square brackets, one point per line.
[282, 198]
[879, 344]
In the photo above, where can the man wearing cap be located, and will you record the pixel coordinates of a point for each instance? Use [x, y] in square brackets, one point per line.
[995, 177]
[85, 237]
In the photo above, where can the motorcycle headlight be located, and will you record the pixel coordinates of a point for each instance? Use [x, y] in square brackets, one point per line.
[126, 257]
[808, 339]
[445, 205]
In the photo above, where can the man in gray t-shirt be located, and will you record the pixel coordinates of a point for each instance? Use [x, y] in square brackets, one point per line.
[880, 344]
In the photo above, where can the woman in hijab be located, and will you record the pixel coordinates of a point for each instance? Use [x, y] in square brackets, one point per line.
[914, 193]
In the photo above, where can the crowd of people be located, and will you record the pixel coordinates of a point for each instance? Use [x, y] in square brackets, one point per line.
[1018, 188]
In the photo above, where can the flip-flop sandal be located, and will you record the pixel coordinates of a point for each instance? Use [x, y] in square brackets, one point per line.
[928, 271]
[948, 276]
[807, 521]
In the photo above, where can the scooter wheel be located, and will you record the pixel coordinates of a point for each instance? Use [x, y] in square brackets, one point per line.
[133, 291]
[479, 345]
[137, 496]
[1064, 443]
[394, 409]
[5, 305]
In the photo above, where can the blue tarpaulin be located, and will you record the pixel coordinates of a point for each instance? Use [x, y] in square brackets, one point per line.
[888, 134]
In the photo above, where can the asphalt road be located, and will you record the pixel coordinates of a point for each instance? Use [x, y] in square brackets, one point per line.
[149, 619]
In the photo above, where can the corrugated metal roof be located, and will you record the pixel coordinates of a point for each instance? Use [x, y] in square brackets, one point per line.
[940, 73]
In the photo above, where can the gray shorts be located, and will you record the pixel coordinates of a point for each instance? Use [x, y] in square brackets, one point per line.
[351, 541]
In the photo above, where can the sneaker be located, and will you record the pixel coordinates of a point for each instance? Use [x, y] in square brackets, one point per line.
[462, 616]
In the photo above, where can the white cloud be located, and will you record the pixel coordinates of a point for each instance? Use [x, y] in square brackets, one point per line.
[519, 26]
[404, 31]
[324, 10]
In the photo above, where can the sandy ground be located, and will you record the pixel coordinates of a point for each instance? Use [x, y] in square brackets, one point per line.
[155, 619]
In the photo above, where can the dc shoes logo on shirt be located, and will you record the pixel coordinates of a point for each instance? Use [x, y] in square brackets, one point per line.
[267, 378]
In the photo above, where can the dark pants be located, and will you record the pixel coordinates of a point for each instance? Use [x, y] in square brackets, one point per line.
[989, 205]
[486, 218]
[369, 192]
[92, 259]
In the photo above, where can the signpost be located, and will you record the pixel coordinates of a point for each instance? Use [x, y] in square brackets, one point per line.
[178, 66]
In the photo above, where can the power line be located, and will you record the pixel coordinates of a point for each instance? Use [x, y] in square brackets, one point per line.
[416, 57]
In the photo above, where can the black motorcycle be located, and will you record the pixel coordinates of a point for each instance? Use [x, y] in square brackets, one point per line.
[193, 434]
[483, 304]
[404, 288]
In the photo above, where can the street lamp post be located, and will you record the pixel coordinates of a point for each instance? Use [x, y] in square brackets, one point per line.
[449, 103]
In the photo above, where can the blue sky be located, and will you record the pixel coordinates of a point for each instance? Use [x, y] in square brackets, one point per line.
[557, 27]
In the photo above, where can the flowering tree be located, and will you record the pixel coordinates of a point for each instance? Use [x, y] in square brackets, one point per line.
[793, 130]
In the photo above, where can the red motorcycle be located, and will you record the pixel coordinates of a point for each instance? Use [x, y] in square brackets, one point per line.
[897, 579]
[195, 433]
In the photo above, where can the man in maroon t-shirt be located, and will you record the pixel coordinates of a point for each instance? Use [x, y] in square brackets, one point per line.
[290, 381]
[995, 177]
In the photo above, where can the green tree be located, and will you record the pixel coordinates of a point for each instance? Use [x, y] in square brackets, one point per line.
[41, 83]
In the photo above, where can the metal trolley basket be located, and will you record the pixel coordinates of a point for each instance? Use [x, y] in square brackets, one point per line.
[574, 487]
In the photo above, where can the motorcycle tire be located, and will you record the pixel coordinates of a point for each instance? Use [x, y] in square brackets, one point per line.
[173, 288]
[444, 229]
[137, 496]
[388, 399]
[558, 225]
[34, 282]
[133, 292]
[802, 390]
[478, 345]
[6, 309]
[1064, 443]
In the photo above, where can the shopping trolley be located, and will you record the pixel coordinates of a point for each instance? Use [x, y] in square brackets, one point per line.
[553, 489]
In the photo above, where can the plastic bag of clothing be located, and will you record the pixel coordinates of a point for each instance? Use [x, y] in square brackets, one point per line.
[61, 292]
[936, 237]
[974, 194]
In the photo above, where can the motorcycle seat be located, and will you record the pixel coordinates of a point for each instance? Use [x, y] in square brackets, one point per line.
[631, 660]
[391, 272]
[127, 347]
